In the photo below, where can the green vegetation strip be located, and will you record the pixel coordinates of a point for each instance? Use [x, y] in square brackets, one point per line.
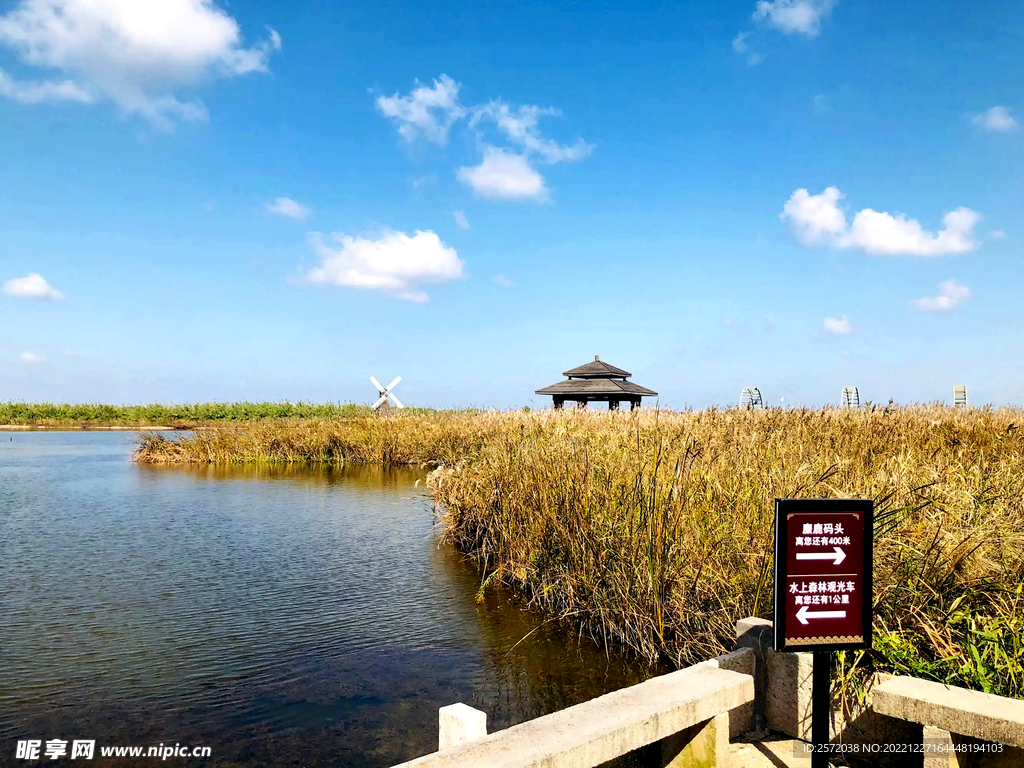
[655, 529]
[89, 415]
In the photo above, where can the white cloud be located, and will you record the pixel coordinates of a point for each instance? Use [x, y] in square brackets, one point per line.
[818, 220]
[519, 125]
[504, 175]
[135, 54]
[33, 286]
[460, 220]
[739, 44]
[285, 206]
[951, 294]
[506, 172]
[877, 232]
[394, 263]
[31, 357]
[793, 16]
[998, 234]
[815, 219]
[838, 325]
[429, 112]
[48, 90]
[503, 281]
[996, 119]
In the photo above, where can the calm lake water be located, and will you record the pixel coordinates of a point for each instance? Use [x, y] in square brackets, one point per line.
[288, 617]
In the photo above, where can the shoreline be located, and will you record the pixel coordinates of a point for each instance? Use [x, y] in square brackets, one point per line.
[89, 428]
[585, 530]
[654, 529]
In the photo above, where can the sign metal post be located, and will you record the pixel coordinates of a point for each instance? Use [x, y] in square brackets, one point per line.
[823, 591]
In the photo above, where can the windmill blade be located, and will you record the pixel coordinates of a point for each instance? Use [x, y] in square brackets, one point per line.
[379, 403]
[377, 385]
[393, 383]
[395, 400]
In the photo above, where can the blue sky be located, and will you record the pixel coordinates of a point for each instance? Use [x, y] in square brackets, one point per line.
[274, 201]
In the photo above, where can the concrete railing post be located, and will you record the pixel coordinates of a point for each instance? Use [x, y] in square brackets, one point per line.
[788, 700]
[938, 748]
[742, 660]
[782, 681]
[756, 634]
[460, 724]
[705, 745]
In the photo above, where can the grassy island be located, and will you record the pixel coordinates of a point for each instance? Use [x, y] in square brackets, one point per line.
[99, 416]
[654, 529]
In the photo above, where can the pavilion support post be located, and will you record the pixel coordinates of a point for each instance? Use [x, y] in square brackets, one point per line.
[559, 403]
[581, 404]
[613, 405]
[634, 404]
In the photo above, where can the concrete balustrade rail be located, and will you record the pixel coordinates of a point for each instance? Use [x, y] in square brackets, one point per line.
[899, 710]
[956, 710]
[694, 713]
[950, 716]
[686, 711]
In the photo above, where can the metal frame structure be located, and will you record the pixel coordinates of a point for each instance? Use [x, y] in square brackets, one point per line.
[850, 398]
[750, 398]
[959, 395]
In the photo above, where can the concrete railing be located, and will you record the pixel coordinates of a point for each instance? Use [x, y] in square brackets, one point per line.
[695, 712]
[687, 712]
[952, 725]
[955, 721]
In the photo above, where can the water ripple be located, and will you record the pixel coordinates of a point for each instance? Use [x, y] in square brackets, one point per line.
[266, 614]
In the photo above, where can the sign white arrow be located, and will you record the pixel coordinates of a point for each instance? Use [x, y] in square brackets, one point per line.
[804, 615]
[837, 556]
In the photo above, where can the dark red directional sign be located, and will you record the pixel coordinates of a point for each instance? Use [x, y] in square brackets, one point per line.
[823, 564]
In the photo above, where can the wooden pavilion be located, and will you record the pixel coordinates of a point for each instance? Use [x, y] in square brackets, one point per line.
[596, 382]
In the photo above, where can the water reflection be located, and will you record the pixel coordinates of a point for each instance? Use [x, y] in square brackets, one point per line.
[281, 616]
[371, 478]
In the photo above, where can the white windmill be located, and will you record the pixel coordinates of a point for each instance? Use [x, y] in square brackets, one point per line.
[385, 393]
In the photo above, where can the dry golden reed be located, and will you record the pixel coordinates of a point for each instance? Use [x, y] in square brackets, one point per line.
[655, 529]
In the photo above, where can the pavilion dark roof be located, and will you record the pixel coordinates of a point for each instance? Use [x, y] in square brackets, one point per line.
[596, 380]
[595, 387]
[595, 370]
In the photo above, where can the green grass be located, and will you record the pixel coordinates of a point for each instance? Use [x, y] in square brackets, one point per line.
[99, 415]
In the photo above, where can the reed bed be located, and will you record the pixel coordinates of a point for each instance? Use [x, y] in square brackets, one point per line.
[423, 438]
[654, 530]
